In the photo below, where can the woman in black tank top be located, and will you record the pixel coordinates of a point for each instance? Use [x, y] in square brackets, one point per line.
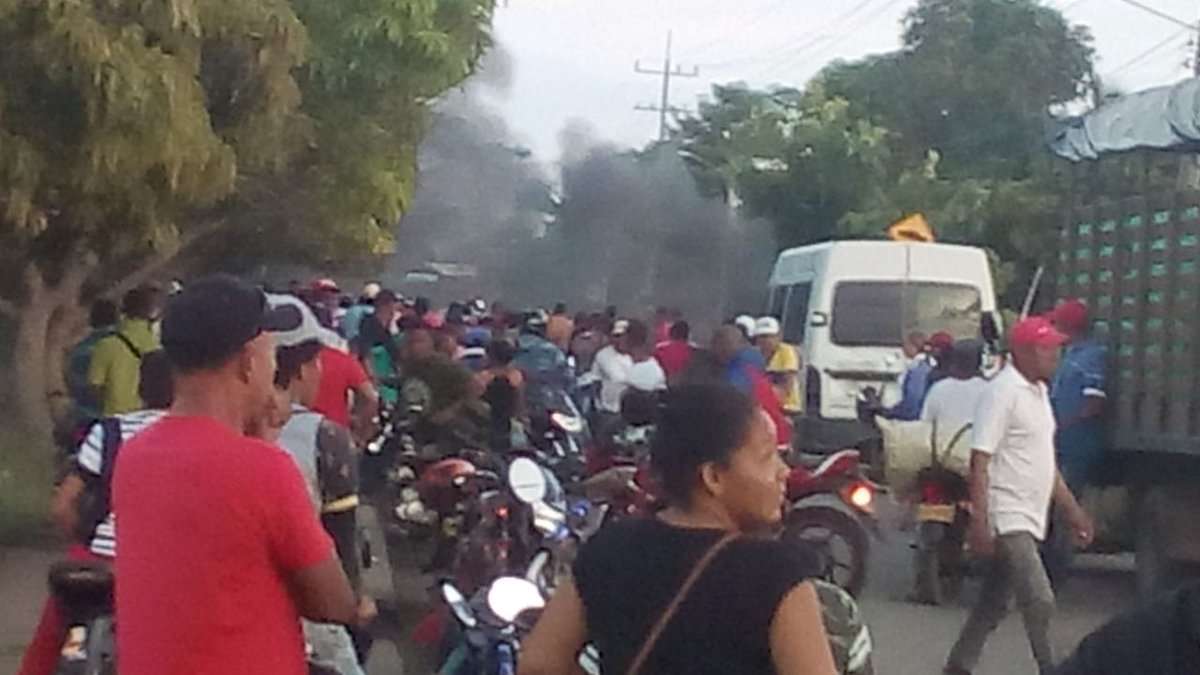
[676, 594]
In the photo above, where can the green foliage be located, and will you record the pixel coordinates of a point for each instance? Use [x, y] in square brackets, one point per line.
[972, 80]
[124, 123]
[109, 137]
[373, 67]
[798, 159]
[26, 476]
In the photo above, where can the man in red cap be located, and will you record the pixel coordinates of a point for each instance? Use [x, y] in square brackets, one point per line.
[1014, 480]
[1078, 394]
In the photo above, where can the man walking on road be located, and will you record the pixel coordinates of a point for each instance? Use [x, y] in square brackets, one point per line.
[1014, 481]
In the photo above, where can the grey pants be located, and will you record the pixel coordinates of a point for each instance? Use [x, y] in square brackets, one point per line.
[1016, 570]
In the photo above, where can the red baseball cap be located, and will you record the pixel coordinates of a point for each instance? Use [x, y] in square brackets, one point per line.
[1036, 331]
[325, 284]
[1070, 315]
[941, 341]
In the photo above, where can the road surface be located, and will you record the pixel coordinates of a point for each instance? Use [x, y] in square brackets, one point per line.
[914, 640]
[909, 639]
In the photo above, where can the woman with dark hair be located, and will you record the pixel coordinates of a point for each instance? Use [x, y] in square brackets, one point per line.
[694, 591]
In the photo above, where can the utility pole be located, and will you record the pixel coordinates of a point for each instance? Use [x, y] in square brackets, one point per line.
[668, 71]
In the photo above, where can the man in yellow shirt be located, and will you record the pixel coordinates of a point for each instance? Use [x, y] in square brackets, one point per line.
[117, 359]
[783, 363]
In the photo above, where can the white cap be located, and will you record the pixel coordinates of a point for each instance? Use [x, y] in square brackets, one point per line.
[371, 290]
[767, 325]
[309, 329]
[746, 323]
[620, 327]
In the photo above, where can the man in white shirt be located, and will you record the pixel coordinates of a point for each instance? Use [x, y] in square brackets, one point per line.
[951, 403]
[611, 367]
[645, 373]
[1014, 481]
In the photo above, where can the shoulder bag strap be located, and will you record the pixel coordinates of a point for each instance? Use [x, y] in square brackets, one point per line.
[137, 353]
[681, 595]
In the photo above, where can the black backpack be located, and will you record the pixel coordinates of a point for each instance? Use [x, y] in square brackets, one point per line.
[95, 503]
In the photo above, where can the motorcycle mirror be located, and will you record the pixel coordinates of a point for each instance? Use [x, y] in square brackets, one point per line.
[526, 479]
[508, 597]
[458, 605]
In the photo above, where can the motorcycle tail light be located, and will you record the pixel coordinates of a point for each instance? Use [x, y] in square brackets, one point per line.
[860, 495]
[933, 492]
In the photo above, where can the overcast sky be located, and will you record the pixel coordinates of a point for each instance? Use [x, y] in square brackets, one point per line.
[573, 59]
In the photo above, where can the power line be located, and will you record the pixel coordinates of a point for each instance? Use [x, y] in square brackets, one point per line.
[667, 73]
[732, 33]
[794, 61]
[791, 53]
[1160, 14]
[1148, 53]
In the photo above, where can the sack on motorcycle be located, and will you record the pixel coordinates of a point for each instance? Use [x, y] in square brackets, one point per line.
[908, 448]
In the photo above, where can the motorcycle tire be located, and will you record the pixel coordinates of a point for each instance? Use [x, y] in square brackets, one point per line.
[928, 563]
[804, 526]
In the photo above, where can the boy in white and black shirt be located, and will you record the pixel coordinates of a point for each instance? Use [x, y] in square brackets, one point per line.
[82, 506]
[89, 475]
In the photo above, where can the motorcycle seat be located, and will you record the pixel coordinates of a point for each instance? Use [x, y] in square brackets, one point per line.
[82, 583]
[839, 462]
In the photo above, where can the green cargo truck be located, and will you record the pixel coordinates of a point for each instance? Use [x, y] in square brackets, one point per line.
[1130, 247]
[1136, 262]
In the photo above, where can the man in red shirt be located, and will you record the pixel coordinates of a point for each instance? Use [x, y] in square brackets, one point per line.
[221, 550]
[341, 376]
[675, 354]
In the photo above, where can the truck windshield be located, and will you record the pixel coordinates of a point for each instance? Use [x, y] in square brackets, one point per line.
[881, 313]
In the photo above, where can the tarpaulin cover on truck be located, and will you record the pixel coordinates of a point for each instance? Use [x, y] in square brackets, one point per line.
[1163, 118]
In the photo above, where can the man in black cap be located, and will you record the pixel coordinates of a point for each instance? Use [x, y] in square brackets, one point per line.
[222, 552]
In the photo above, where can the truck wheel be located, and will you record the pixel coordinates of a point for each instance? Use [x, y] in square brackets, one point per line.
[1156, 572]
[838, 539]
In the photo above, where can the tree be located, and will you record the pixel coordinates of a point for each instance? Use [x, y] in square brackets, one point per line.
[130, 131]
[798, 159]
[973, 81]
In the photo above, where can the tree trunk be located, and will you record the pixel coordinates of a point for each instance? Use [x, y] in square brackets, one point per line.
[29, 356]
[47, 319]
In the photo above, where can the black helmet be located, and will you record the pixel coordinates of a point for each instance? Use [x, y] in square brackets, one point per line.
[534, 322]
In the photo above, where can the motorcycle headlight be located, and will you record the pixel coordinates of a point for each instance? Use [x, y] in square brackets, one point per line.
[568, 423]
[509, 596]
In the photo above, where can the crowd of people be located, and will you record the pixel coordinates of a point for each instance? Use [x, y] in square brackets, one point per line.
[199, 399]
[239, 417]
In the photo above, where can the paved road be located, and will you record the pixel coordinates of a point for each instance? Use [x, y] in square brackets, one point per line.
[910, 639]
[914, 640]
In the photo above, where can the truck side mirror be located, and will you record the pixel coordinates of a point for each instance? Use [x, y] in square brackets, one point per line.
[988, 328]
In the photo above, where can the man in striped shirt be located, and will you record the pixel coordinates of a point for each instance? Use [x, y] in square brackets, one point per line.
[95, 541]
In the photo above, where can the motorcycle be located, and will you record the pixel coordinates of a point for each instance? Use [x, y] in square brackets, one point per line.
[508, 527]
[559, 432]
[489, 627]
[85, 592]
[832, 509]
[943, 514]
